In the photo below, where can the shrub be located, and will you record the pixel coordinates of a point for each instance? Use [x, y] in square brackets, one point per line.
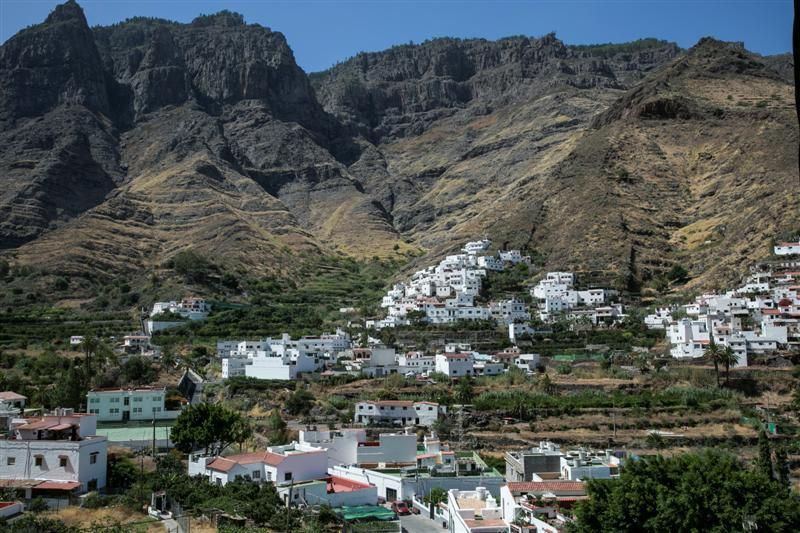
[37, 505]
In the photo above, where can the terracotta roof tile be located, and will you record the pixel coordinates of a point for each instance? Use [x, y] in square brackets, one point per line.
[547, 486]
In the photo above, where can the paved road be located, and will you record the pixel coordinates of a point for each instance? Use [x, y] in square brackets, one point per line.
[415, 523]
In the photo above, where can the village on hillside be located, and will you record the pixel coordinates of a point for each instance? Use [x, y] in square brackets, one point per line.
[379, 455]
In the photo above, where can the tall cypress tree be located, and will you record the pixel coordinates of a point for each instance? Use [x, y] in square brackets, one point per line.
[782, 465]
[764, 462]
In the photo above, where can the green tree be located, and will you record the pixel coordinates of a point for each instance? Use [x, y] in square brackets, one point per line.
[545, 384]
[90, 345]
[728, 359]
[764, 460]
[192, 266]
[705, 491]
[122, 472]
[439, 377]
[300, 402]
[782, 466]
[678, 274]
[210, 427]
[276, 428]
[436, 496]
[138, 371]
[465, 390]
[714, 354]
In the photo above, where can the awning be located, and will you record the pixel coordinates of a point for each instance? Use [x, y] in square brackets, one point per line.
[58, 485]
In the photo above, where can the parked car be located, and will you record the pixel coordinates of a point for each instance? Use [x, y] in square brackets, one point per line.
[401, 508]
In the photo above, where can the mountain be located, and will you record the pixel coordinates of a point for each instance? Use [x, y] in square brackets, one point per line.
[122, 146]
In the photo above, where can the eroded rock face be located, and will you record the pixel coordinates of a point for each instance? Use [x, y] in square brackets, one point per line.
[123, 145]
[51, 64]
[402, 91]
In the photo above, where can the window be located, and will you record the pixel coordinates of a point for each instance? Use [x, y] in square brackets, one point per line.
[11, 461]
[137, 399]
[38, 460]
[114, 400]
[137, 409]
[94, 411]
[156, 409]
[269, 476]
[113, 411]
[93, 458]
[156, 398]
[287, 476]
[94, 400]
[256, 474]
[62, 461]
[127, 401]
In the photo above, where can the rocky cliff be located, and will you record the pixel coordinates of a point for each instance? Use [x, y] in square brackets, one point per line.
[124, 145]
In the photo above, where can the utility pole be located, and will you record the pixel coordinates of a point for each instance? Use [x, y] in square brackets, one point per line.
[154, 436]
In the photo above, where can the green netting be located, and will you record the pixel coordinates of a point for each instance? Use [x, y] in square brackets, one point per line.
[360, 512]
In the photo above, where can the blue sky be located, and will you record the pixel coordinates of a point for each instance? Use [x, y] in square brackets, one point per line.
[322, 32]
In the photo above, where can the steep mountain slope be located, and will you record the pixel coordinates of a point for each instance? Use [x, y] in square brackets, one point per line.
[204, 135]
[693, 164]
[122, 146]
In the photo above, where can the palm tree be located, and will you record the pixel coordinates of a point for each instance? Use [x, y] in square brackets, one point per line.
[90, 345]
[713, 353]
[728, 358]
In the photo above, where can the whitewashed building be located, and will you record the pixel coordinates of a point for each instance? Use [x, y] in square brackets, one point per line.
[352, 447]
[396, 412]
[787, 248]
[474, 512]
[57, 453]
[455, 365]
[135, 403]
[658, 319]
[278, 464]
[416, 362]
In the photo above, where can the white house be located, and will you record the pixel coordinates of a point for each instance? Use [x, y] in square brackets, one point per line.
[580, 465]
[513, 256]
[57, 453]
[396, 412]
[538, 505]
[123, 404]
[516, 331]
[192, 308]
[659, 319]
[689, 338]
[416, 362]
[509, 311]
[352, 447]
[76, 340]
[11, 404]
[455, 365]
[475, 247]
[269, 365]
[474, 512]
[787, 248]
[333, 491]
[528, 361]
[278, 464]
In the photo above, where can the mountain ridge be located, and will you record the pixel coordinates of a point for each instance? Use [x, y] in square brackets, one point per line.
[207, 136]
